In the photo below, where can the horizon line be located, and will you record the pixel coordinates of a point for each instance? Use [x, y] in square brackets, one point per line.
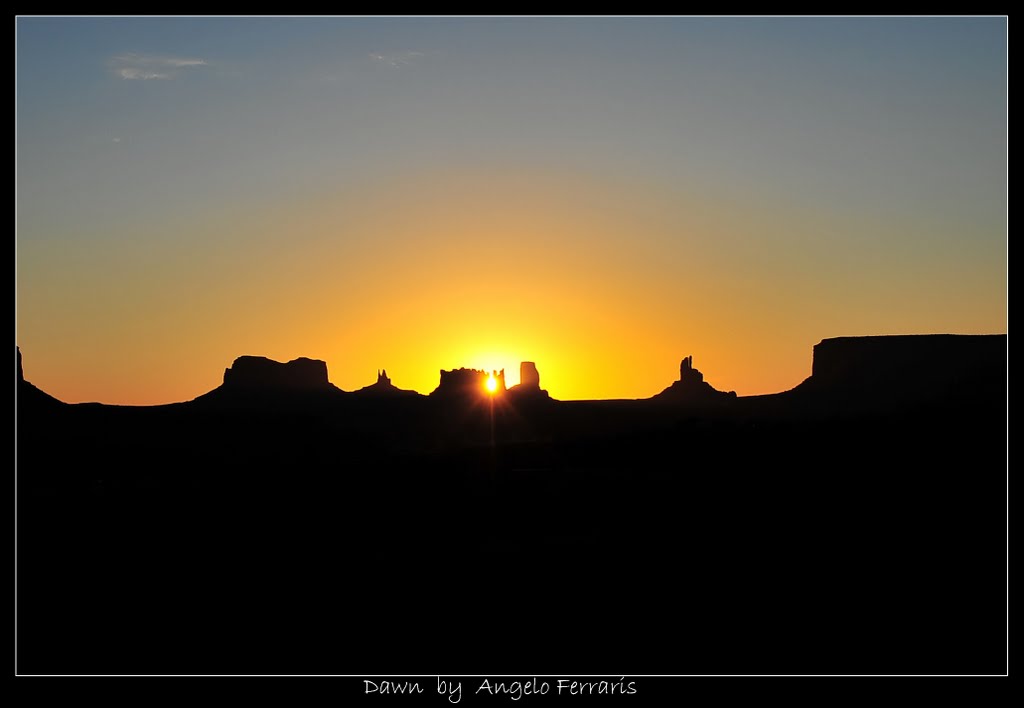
[20, 377]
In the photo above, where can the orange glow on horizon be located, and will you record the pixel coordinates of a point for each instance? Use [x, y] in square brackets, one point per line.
[344, 277]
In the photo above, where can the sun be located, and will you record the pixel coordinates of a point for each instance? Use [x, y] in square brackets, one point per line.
[491, 384]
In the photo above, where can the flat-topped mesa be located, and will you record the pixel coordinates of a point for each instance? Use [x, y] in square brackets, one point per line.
[909, 368]
[467, 382]
[691, 386]
[260, 373]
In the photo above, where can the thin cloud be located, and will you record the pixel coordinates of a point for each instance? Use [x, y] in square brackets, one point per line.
[396, 58]
[185, 62]
[129, 73]
[147, 67]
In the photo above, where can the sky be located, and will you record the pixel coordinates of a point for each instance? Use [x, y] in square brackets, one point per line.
[602, 196]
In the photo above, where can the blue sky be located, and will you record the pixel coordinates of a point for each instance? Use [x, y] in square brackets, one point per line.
[840, 160]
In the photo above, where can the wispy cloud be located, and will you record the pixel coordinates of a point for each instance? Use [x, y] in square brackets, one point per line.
[146, 67]
[143, 74]
[172, 61]
[396, 58]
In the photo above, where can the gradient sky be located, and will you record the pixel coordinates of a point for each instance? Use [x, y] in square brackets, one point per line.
[600, 195]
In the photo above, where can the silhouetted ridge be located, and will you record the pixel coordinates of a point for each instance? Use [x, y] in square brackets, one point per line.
[29, 396]
[908, 368]
[278, 525]
[691, 386]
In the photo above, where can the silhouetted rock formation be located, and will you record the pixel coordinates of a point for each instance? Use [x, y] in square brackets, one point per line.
[260, 382]
[908, 369]
[691, 387]
[467, 382]
[529, 382]
[529, 377]
[384, 387]
[276, 531]
[257, 372]
[687, 373]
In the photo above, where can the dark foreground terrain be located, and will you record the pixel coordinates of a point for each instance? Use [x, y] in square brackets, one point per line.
[853, 525]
